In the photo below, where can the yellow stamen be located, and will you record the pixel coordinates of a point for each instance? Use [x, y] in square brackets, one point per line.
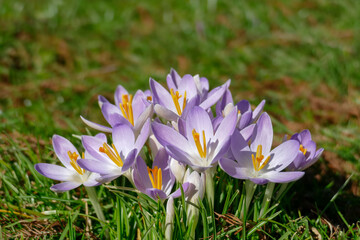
[149, 98]
[126, 107]
[155, 177]
[113, 155]
[258, 159]
[201, 149]
[302, 149]
[73, 158]
[176, 96]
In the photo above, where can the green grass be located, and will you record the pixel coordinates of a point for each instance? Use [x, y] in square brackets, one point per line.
[56, 57]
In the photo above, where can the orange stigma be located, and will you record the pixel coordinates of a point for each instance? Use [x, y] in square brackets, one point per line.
[302, 149]
[258, 159]
[73, 158]
[155, 177]
[126, 107]
[112, 154]
[201, 149]
[176, 98]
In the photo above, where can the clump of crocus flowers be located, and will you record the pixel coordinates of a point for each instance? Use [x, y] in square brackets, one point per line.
[189, 134]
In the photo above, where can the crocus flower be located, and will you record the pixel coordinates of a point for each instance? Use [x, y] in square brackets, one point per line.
[197, 144]
[133, 111]
[307, 154]
[256, 162]
[72, 174]
[158, 181]
[112, 161]
[183, 94]
[245, 115]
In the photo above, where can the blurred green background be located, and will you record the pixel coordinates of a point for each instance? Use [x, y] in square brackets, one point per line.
[57, 56]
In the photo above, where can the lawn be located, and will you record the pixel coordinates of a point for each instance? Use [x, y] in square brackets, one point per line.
[56, 57]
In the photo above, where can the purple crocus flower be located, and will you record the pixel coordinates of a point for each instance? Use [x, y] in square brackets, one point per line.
[307, 154]
[246, 116]
[158, 181]
[112, 161]
[197, 144]
[72, 174]
[184, 93]
[133, 111]
[256, 162]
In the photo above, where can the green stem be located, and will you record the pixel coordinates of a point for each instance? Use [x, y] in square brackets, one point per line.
[210, 185]
[95, 202]
[267, 198]
[281, 191]
[250, 188]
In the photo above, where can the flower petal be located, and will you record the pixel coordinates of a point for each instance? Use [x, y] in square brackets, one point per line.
[64, 186]
[91, 181]
[263, 135]
[177, 193]
[123, 138]
[96, 125]
[282, 177]
[213, 97]
[120, 90]
[155, 193]
[199, 120]
[54, 172]
[282, 155]
[169, 136]
[61, 147]
[233, 169]
[96, 166]
[257, 111]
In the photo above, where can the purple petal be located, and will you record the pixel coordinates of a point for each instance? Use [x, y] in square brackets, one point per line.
[144, 116]
[120, 90]
[233, 169]
[113, 115]
[92, 145]
[64, 186]
[173, 79]
[305, 136]
[245, 120]
[168, 136]
[226, 99]
[91, 181]
[165, 113]
[248, 131]
[257, 111]
[187, 84]
[226, 128]
[213, 97]
[161, 95]
[179, 155]
[108, 177]
[240, 149]
[263, 135]
[123, 138]
[143, 136]
[96, 166]
[54, 172]
[199, 120]
[282, 177]
[129, 161]
[96, 126]
[155, 193]
[141, 175]
[259, 181]
[177, 193]
[282, 155]
[61, 147]
[190, 105]
[102, 100]
[244, 106]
